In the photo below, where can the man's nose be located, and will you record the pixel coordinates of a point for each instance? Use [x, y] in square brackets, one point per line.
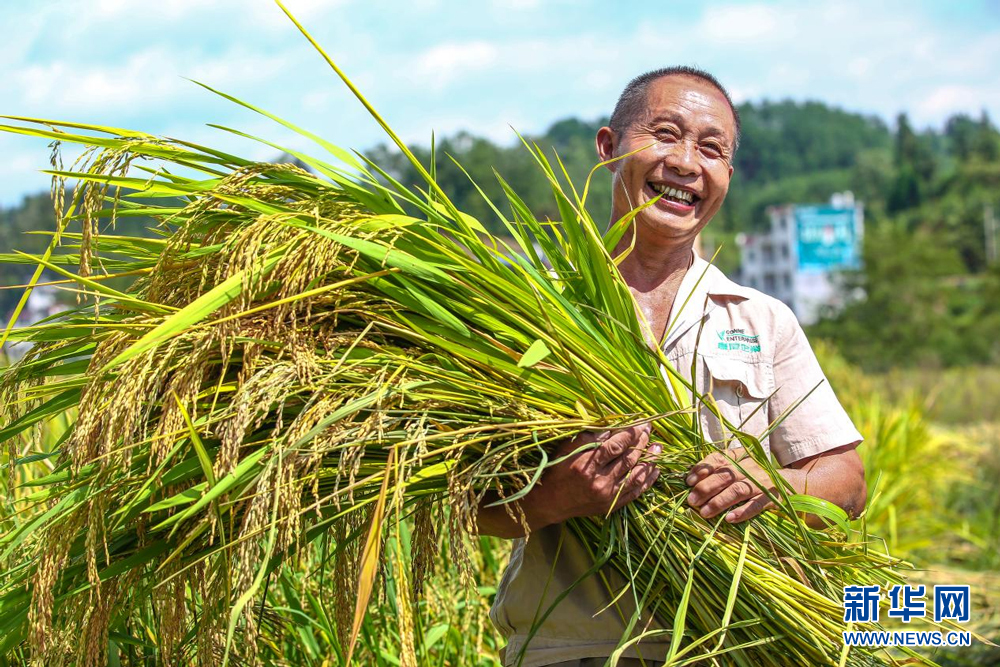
[682, 158]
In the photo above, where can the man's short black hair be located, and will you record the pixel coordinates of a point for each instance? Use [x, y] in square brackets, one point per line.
[633, 98]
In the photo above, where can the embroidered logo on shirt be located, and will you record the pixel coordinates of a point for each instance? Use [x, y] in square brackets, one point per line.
[738, 340]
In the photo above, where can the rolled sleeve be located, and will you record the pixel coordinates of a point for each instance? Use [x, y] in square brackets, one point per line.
[819, 423]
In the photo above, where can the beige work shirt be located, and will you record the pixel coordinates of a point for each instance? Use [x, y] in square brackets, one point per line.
[751, 347]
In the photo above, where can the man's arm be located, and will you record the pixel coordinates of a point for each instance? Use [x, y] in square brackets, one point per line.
[812, 423]
[718, 485]
[590, 483]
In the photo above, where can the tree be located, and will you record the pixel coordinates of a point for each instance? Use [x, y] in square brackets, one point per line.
[917, 307]
[915, 167]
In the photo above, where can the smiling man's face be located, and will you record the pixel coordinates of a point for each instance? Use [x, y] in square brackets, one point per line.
[687, 132]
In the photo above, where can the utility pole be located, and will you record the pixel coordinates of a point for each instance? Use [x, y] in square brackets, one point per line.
[990, 231]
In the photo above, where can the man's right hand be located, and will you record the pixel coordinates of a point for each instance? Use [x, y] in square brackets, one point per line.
[591, 483]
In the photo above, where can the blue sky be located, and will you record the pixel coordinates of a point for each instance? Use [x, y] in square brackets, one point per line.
[446, 65]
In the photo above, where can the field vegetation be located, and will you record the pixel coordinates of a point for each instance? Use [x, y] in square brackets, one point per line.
[935, 489]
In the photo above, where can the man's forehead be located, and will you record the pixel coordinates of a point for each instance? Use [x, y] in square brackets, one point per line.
[671, 95]
[677, 87]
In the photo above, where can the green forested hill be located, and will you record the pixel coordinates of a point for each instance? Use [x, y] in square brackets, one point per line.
[34, 214]
[930, 297]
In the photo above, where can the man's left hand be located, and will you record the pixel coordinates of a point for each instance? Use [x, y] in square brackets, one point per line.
[718, 484]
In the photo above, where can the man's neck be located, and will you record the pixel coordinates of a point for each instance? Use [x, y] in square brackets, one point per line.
[655, 268]
[654, 273]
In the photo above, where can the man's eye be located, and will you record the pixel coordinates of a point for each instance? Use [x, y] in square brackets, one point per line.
[712, 149]
[666, 133]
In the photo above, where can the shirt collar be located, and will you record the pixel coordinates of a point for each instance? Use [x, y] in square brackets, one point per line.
[702, 285]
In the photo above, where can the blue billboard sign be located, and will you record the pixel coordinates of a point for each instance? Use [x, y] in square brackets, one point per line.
[828, 238]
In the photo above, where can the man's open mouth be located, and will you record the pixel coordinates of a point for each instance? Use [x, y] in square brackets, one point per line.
[675, 195]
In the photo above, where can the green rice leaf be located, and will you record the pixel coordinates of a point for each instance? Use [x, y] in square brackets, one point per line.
[185, 497]
[534, 354]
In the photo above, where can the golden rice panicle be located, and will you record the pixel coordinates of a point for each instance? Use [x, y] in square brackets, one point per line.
[54, 546]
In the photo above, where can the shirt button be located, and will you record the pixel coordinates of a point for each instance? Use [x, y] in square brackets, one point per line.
[739, 390]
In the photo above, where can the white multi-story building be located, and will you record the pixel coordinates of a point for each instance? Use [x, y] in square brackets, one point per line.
[798, 259]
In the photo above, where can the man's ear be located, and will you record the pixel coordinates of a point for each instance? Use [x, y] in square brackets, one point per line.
[606, 143]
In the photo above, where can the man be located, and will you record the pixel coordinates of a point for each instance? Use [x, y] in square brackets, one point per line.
[678, 131]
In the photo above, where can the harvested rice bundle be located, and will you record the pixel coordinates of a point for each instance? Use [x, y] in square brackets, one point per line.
[302, 354]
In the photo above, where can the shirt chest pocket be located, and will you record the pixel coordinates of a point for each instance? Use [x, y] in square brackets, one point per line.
[740, 390]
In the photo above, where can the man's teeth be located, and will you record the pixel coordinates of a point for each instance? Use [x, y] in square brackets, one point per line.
[673, 193]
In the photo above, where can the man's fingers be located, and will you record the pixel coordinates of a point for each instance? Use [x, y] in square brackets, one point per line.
[617, 444]
[708, 487]
[634, 452]
[750, 509]
[713, 462]
[736, 492]
[641, 480]
[611, 449]
[699, 472]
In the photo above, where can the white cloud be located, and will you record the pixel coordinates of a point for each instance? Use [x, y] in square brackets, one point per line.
[266, 13]
[64, 85]
[24, 161]
[950, 98]
[317, 101]
[236, 67]
[741, 94]
[517, 5]
[228, 13]
[147, 79]
[110, 8]
[859, 66]
[442, 65]
[162, 10]
[739, 24]
[564, 61]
